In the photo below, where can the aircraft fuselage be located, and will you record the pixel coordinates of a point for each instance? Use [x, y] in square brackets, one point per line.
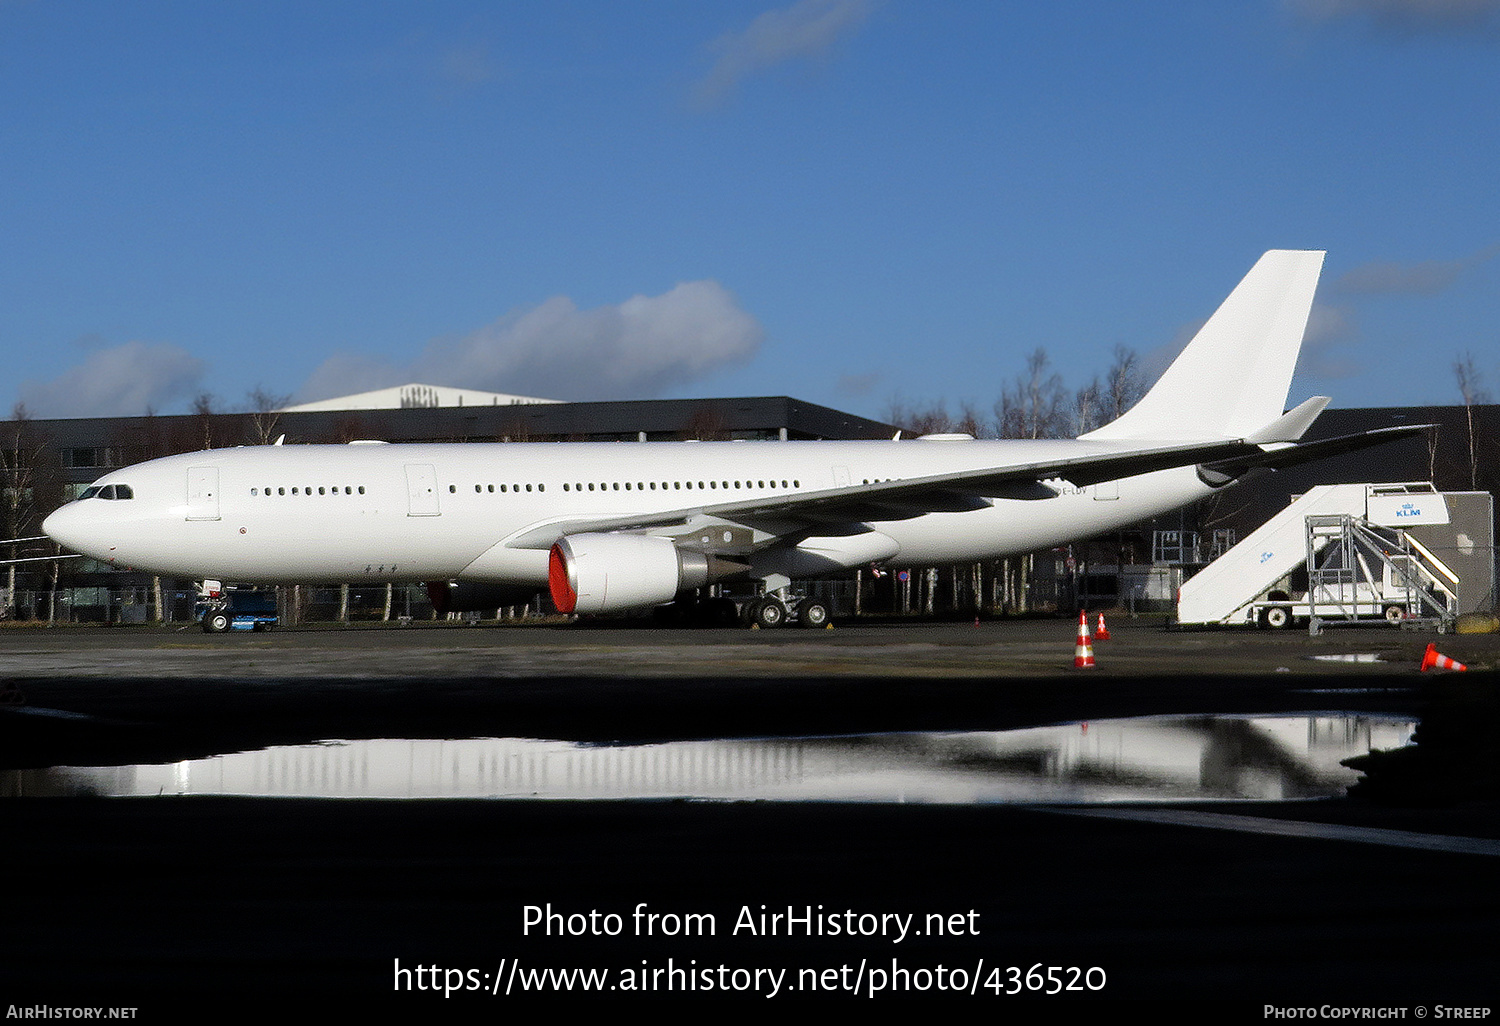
[419, 512]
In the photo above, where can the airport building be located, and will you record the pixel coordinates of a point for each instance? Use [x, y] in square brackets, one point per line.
[47, 462]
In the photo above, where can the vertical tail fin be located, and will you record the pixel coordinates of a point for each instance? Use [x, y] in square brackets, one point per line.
[1233, 377]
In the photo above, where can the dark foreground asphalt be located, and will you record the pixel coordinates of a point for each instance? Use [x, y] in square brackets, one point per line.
[198, 907]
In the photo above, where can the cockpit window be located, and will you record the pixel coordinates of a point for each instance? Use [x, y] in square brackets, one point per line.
[111, 491]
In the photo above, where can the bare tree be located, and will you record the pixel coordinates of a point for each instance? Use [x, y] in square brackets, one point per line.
[212, 428]
[348, 428]
[969, 420]
[705, 424]
[1088, 404]
[31, 477]
[31, 486]
[932, 419]
[1470, 387]
[1123, 385]
[265, 412]
[896, 412]
[1035, 406]
[203, 413]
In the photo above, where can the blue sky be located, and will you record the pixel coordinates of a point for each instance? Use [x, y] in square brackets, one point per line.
[844, 201]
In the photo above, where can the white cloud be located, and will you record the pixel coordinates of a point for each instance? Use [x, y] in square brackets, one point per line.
[858, 385]
[635, 349]
[1330, 330]
[1406, 17]
[1389, 278]
[349, 374]
[1329, 325]
[467, 65]
[1428, 278]
[1155, 361]
[123, 380]
[801, 31]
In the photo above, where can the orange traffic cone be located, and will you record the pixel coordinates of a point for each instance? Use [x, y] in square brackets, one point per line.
[1083, 652]
[1103, 632]
[1432, 658]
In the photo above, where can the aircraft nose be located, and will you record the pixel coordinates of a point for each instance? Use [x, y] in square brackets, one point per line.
[69, 526]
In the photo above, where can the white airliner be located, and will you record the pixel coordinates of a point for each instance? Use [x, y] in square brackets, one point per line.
[618, 526]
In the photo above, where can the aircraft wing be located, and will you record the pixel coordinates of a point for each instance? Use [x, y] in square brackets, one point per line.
[909, 497]
[964, 490]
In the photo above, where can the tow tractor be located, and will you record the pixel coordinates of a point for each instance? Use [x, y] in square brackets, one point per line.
[234, 608]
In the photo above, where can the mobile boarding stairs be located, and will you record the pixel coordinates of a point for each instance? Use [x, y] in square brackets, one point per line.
[1339, 554]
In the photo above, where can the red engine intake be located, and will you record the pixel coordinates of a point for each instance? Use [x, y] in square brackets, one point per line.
[605, 573]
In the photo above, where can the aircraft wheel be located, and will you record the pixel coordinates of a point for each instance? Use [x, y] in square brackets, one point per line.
[216, 623]
[1278, 617]
[770, 612]
[1395, 614]
[813, 615]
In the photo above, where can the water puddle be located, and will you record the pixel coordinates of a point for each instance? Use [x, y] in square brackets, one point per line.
[1155, 759]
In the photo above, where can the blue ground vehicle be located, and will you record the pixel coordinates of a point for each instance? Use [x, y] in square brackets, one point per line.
[233, 609]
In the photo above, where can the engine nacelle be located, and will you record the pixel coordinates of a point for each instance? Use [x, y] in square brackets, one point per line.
[605, 573]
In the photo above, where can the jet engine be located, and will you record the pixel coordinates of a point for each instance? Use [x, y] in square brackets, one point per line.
[605, 573]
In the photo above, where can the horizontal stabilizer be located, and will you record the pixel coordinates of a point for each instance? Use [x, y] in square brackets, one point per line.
[1293, 424]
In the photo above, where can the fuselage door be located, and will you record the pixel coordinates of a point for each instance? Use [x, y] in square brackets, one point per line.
[203, 493]
[421, 490]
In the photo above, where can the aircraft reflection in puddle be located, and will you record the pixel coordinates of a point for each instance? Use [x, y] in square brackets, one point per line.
[1120, 760]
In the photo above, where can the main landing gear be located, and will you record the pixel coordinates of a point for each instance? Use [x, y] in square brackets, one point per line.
[776, 609]
[769, 611]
